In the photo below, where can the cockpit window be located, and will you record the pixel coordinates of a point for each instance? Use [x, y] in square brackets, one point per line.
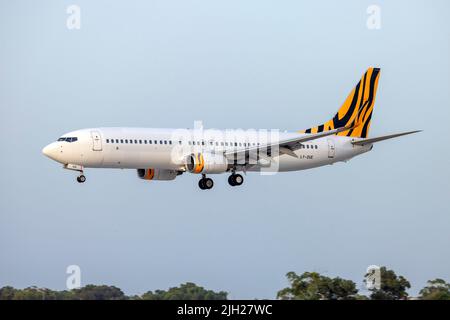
[68, 139]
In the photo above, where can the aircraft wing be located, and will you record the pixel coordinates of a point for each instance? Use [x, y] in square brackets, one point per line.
[286, 146]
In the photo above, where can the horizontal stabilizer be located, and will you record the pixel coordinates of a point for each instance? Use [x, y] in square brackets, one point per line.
[373, 140]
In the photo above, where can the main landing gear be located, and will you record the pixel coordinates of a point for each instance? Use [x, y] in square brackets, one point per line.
[205, 183]
[235, 180]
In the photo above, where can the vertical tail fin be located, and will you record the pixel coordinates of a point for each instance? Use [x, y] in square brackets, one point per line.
[356, 111]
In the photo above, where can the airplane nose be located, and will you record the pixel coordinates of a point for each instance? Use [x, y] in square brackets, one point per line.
[50, 151]
[46, 150]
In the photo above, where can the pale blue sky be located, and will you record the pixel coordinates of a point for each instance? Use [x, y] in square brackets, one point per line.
[231, 64]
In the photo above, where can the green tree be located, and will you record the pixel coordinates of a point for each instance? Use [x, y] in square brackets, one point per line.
[35, 293]
[392, 287]
[7, 293]
[187, 291]
[93, 292]
[436, 289]
[314, 286]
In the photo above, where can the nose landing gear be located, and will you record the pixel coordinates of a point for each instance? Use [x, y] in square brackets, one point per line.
[75, 167]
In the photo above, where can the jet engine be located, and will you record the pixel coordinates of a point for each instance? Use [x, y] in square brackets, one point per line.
[157, 174]
[206, 163]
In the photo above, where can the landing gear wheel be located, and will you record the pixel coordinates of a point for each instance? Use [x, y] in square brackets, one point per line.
[81, 179]
[205, 183]
[238, 179]
[231, 181]
[235, 180]
[208, 183]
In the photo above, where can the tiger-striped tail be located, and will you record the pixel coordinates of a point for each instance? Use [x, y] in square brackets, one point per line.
[356, 111]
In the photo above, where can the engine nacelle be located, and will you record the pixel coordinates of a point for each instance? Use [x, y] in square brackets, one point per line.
[206, 163]
[157, 174]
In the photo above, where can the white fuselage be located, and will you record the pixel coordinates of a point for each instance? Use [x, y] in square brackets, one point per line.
[140, 148]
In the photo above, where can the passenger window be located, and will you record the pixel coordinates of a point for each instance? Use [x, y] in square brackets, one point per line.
[126, 140]
[131, 141]
[121, 140]
[170, 141]
[117, 140]
[235, 144]
[145, 141]
[203, 143]
[165, 141]
[107, 140]
[317, 146]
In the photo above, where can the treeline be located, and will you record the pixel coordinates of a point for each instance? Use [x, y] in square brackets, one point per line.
[187, 291]
[307, 286]
[314, 286]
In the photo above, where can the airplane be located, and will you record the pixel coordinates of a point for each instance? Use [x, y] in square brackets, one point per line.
[164, 154]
